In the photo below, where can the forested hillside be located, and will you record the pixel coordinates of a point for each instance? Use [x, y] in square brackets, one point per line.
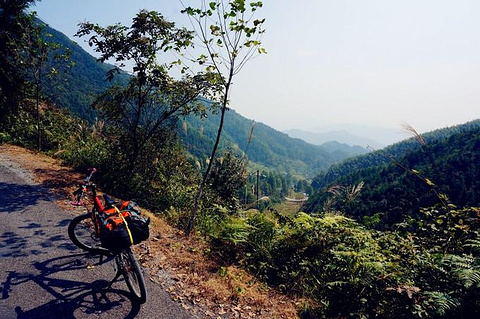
[83, 82]
[392, 183]
[262, 144]
[267, 147]
[341, 149]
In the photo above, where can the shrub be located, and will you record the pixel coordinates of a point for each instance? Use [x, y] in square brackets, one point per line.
[87, 148]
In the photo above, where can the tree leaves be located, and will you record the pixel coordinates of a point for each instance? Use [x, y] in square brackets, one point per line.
[152, 95]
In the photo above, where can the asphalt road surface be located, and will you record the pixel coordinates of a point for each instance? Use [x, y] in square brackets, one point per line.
[43, 275]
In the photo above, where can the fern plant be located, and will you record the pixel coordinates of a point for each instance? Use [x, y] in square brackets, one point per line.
[436, 304]
[465, 269]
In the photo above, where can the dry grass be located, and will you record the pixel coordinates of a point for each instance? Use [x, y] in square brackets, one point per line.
[413, 132]
[289, 209]
[174, 261]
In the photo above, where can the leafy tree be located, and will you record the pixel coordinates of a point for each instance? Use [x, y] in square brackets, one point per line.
[46, 59]
[230, 36]
[27, 57]
[228, 176]
[152, 96]
[15, 33]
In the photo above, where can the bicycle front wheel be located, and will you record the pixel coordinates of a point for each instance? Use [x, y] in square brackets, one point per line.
[133, 274]
[82, 233]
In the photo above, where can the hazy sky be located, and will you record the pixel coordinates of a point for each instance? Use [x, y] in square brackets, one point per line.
[370, 62]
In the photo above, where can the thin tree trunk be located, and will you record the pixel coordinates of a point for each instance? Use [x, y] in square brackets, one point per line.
[191, 221]
[39, 139]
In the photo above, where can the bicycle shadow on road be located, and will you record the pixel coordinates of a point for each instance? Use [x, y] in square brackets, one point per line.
[66, 297]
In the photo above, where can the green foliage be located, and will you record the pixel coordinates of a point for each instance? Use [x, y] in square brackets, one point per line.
[446, 228]
[25, 49]
[56, 127]
[164, 176]
[87, 147]
[139, 110]
[20, 128]
[417, 178]
[230, 32]
[227, 177]
[436, 304]
[331, 258]
[17, 31]
[464, 268]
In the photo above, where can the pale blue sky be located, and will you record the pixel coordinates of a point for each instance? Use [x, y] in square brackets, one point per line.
[370, 62]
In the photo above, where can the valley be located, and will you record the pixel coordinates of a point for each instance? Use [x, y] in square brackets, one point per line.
[242, 211]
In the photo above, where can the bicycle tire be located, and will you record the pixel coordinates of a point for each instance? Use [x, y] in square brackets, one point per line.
[133, 275]
[82, 233]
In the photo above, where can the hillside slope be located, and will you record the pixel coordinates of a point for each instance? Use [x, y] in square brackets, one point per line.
[449, 159]
[268, 148]
[80, 84]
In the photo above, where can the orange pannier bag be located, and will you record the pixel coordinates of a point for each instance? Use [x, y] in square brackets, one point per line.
[113, 210]
[115, 219]
[112, 218]
[123, 226]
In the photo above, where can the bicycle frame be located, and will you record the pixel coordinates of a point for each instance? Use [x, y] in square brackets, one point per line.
[97, 204]
[98, 208]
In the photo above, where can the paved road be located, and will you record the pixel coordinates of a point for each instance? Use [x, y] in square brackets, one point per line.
[43, 275]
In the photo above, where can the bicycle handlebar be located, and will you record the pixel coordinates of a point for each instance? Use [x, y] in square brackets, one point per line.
[81, 190]
[92, 171]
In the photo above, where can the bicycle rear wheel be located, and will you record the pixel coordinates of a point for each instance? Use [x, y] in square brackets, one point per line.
[82, 233]
[133, 274]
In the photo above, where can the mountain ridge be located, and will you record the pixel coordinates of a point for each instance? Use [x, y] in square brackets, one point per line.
[445, 161]
[341, 135]
[268, 147]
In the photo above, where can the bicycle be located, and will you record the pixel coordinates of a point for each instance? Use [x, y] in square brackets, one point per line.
[84, 232]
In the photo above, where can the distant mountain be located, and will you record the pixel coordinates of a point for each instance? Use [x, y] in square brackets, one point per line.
[375, 137]
[268, 147]
[344, 150]
[449, 158]
[342, 136]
